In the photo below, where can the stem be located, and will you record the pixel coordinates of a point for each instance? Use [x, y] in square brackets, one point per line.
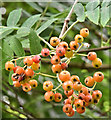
[101, 37]
[79, 48]
[81, 54]
[57, 87]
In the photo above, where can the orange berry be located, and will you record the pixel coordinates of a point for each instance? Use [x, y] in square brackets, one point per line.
[29, 72]
[60, 51]
[97, 63]
[98, 76]
[79, 38]
[47, 85]
[58, 97]
[64, 66]
[68, 93]
[54, 41]
[80, 110]
[16, 84]
[45, 52]
[33, 83]
[70, 114]
[28, 61]
[56, 68]
[64, 45]
[19, 70]
[64, 76]
[67, 85]
[79, 103]
[77, 86]
[49, 96]
[95, 101]
[35, 66]
[9, 65]
[84, 90]
[72, 98]
[26, 87]
[66, 101]
[74, 45]
[14, 77]
[67, 108]
[96, 94]
[55, 60]
[69, 53]
[92, 56]
[89, 81]
[84, 32]
[81, 96]
[74, 78]
[88, 98]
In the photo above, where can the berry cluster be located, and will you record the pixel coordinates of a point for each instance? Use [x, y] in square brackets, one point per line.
[60, 58]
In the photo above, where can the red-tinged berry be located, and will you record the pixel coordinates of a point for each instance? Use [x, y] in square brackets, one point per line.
[89, 81]
[79, 38]
[49, 96]
[84, 90]
[14, 77]
[9, 66]
[98, 76]
[29, 72]
[54, 41]
[67, 85]
[64, 66]
[91, 56]
[64, 76]
[45, 52]
[55, 60]
[81, 96]
[74, 78]
[16, 84]
[33, 83]
[58, 97]
[69, 53]
[64, 45]
[74, 45]
[36, 59]
[35, 66]
[14, 69]
[70, 114]
[20, 70]
[66, 101]
[28, 61]
[26, 87]
[97, 63]
[84, 32]
[68, 93]
[56, 68]
[47, 85]
[79, 103]
[80, 110]
[60, 51]
[88, 98]
[96, 94]
[67, 108]
[77, 86]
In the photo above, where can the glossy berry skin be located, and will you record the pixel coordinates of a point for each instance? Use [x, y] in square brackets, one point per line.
[35, 66]
[16, 84]
[77, 86]
[47, 85]
[96, 94]
[84, 32]
[60, 51]
[64, 66]
[36, 59]
[68, 93]
[98, 76]
[74, 78]
[92, 56]
[84, 90]
[80, 110]
[78, 103]
[81, 96]
[28, 61]
[64, 75]
[67, 85]
[88, 98]
[67, 108]
[97, 63]
[49, 96]
[74, 45]
[79, 38]
[64, 45]
[89, 81]
[66, 101]
[58, 97]
[69, 53]
[9, 65]
[56, 68]
[26, 87]
[45, 52]
[20, 70]
[29, 72]
[14, 77]
[70, 114]
[14, 69]
[54, 41]
[55, 60]
[33, 83]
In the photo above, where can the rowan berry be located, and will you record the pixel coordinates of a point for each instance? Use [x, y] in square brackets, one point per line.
[14, 69]
[72, 98]
[67, 85]
[60, 51]
[79, 38]
[55, 60]
[56, 68]
[84, 90]
[84, 32]
[66, 101]
[74, 45]
[47, 85]
[81, 96]
[45, 52]
[97, 63]
[98, 76]
[29, 72]
[49, 96]
[16, 84]
[67, 108]
[36, 59]
[58, 97]
[20, 70]
[80, 110]
[26, 87]
[33, 83]
[35, 66]
[96, 94]
[9, 65]
[77, 86]
[68, 93]
[64, 66]
[88, 98]
[69, 53]
[91, 56]
[78, 103]
[64, 76]
[64, 45]
[54, 41]
[89, 81]
[28, 61]
[70, 114]
[14, 77]
[74, 78]
[95, 101]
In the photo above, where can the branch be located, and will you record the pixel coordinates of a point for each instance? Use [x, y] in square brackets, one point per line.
[65, 26]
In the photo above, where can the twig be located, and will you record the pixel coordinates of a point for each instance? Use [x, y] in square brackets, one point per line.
[67, 20]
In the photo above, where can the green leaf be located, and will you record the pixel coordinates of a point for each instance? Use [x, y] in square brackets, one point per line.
[17, 46]
[34, 5]
[104, 16]
[79, 11]
[6, 48]
[105, 3]
[10, 80]
[46, 25]
[94, 15]
[14, 17]
[35, 46]
[31, 21]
